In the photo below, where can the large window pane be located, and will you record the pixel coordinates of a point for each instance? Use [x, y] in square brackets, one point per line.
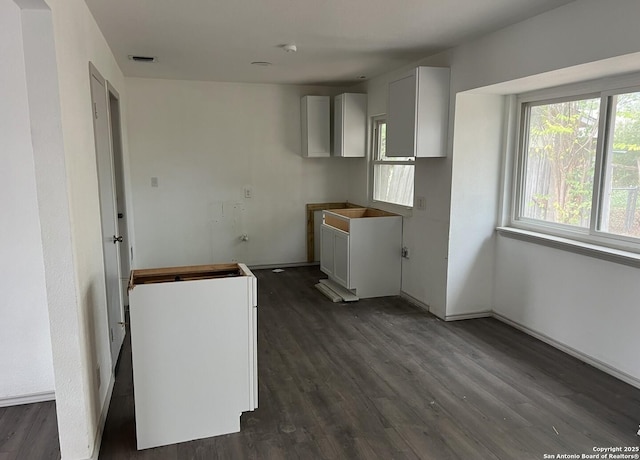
[560, 159]
[621, 204]
[393, 184]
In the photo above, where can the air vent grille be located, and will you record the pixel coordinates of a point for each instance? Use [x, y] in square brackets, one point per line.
[138, 58]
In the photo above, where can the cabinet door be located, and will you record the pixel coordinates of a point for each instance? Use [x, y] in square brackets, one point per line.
[316, 126]
[341, 258]
[338, 125]
[401, 119]
[326, 249]
[350, 125]
[432, 112]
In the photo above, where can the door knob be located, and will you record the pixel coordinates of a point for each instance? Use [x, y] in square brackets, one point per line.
[117, 239]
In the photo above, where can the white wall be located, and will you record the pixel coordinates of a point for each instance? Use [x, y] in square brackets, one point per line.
[587, 304]
[205, 141]
[451, 261]
[570, 35]
[78, 41]
[475, 186]
[60, 38]
[25, 343]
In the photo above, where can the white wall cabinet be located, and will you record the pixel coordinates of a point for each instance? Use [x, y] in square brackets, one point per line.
[315, 115]
[418, 114]
[194, 350]
[361, 250]
[350, 125]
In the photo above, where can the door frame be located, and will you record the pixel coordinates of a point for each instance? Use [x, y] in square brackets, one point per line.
[94, 73]
[117, 155]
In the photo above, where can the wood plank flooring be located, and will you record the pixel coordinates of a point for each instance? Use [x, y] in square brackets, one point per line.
[29, 431]
[381, 379]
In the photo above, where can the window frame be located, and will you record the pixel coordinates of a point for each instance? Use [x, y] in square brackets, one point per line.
[605, 90]
[374, 160]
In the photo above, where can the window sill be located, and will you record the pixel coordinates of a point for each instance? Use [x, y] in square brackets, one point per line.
[588, 249]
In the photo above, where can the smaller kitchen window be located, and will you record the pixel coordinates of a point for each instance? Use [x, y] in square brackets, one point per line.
[392, 176]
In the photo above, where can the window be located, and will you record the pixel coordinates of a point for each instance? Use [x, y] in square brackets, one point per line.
[579, 167]
[392, 176]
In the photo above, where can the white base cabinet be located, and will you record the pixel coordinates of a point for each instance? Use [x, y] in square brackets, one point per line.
[361, 250]
[194, 345]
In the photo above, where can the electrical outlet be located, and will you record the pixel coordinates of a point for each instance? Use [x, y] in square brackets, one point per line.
[248, 191]
[405, 252]
[154, 181]
[421, 203]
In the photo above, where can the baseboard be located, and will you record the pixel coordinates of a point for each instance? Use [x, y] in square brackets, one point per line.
[28, 399]
[412, 300]
[103, 419]
[571, 351]
[289, 265]
[475, 315]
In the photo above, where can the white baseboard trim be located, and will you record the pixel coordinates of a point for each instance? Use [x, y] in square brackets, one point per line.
[413, 301]
[475, 315]
[571, 351]
[28, 399]
[103, 419]
[289, 265]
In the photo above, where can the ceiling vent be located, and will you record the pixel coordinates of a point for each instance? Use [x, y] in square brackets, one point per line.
[137, 58]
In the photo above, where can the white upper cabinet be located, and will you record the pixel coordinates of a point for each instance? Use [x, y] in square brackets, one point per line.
[315, 114]
[350, 125]
[418, 114]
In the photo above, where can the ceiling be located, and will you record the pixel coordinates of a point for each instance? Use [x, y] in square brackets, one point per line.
[338, 41]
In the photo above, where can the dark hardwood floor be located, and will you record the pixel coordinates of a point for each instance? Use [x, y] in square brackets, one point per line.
[29, 431]
[382, 379]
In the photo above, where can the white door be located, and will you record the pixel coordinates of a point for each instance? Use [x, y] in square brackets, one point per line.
[110, 238]
[121, 207]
